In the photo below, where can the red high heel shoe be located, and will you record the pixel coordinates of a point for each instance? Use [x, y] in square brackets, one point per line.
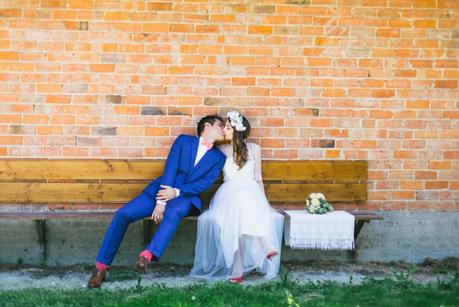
[272, 254]
[236, 280]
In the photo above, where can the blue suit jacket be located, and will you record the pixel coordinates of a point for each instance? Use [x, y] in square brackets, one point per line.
[180, 172]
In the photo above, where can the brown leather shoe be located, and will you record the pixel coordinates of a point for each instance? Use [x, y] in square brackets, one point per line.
[97, 278]
[141, 265]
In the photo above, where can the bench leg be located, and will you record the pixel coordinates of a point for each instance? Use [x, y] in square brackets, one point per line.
[358, 227]
[40, 225]
[147, 228]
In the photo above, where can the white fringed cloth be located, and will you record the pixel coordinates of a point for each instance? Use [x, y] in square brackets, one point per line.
[333, 230]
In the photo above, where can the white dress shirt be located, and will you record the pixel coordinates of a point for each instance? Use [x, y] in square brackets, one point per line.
[202, 149]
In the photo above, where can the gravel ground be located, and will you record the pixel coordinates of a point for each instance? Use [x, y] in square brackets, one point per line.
[76, 277]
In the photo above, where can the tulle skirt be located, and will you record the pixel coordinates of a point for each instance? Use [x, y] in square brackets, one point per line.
[237, 232]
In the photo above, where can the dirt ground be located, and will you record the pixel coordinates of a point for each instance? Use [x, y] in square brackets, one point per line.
[74, 277]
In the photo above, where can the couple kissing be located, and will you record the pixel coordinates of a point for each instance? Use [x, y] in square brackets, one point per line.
[239, 233]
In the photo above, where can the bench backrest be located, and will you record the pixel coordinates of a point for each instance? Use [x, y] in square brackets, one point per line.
[105, 184]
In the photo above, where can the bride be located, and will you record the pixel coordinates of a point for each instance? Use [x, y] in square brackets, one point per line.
[240, 232]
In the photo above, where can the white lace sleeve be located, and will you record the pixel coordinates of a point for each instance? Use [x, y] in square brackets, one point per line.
[256, 154]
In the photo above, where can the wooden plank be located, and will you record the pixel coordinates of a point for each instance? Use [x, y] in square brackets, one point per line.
[69, 193]
[50, 170]
[336, 170]
[54, 170]
[99, 193]
[297, 193]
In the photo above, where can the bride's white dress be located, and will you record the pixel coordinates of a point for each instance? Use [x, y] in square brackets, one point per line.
[240, 227]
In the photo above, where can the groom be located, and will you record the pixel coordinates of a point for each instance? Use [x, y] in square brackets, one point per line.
[192, 165]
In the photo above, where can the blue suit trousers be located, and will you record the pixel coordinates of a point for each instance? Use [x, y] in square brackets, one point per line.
[138, 208]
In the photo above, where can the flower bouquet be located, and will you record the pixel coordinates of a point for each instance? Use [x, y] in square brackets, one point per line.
[316, 203]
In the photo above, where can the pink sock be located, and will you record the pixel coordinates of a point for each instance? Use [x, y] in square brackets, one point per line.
[100, 266]
[147, 254]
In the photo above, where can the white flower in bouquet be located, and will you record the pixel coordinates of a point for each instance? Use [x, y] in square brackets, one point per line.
[316, 203]
[320, 196]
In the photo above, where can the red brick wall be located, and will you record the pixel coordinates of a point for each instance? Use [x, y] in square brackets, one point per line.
[319, 79]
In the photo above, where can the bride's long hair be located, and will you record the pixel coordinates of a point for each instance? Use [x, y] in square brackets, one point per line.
[240, 151]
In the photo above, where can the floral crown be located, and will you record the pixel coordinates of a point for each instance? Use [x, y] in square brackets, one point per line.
[236, 120]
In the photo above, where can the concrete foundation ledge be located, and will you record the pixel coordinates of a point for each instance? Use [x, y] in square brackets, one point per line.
[401, 236]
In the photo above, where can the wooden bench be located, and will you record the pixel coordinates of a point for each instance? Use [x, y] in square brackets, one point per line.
[93, 189]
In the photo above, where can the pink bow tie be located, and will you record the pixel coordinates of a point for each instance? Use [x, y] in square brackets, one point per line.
[207, 144]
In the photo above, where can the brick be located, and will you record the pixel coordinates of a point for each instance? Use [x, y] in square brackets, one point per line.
[274, 19]
[10, 118]
[426, 175]
[260, 30]
[53, 4]
[388, 33]
[272, 143]
[154, 28]
[147, 110]
[418, 104]
[159, 6]
[222, 18]
[211, 101]
[9, 55]
[79, 4]
[436, 185]
[10, 13]
[243, 81]
[404, 154]
[116, 99]
[156, 131]
[327, 143]
[130, 110]
[75, 152]
[102, 67]
[58, 99]
[11, 140]
[50, 130]
[103, 130]
[183, 111]
[49, 88]
[440, 165]
[62, 120]
[446, 84]
[319, 62]
[264, 9]
[137, 100]
[425, 24]
[35, 119]
[299, 2]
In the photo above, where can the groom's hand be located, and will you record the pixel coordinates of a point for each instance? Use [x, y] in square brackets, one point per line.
[166, 193]
[158, 213]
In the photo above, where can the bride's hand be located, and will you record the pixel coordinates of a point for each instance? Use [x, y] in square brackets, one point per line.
[158, 213]
[166, 193]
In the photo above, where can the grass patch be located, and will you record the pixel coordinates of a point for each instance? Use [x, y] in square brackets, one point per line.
[398, 291]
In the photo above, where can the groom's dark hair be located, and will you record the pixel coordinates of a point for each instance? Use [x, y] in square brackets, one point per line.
[207, 119]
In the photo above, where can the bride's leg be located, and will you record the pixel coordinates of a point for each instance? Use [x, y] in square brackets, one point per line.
[265, 246]
[238, 263]
[269, 250]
